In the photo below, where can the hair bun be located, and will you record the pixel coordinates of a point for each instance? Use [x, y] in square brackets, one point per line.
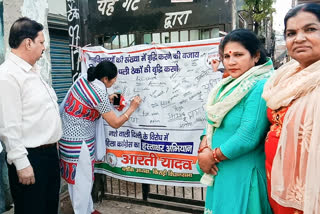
[91, 74]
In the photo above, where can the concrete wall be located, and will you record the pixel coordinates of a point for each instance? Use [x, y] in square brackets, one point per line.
[36, 10]
[2, 48]
[57, 7]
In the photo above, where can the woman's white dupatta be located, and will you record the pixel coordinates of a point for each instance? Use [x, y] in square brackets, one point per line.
[295, 174]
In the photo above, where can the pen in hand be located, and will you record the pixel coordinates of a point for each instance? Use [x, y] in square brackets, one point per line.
[133, 97]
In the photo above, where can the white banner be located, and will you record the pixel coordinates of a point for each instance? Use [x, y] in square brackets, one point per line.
[159, 144]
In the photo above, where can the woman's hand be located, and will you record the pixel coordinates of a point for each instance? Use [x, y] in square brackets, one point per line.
[135, 102]
[206, 162]
[112, 96]
[215, 64]
[117, 121]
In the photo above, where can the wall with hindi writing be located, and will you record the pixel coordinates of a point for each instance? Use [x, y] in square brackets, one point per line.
[110, 17]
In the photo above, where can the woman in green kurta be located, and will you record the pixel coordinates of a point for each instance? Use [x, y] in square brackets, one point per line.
[231, 153]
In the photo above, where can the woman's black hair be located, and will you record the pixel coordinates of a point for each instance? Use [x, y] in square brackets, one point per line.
[103, 69]
[249, 41]
[308, 7]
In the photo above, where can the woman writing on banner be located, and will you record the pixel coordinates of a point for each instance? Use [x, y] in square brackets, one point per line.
[231, 153]
[293, 99]
[85, 102]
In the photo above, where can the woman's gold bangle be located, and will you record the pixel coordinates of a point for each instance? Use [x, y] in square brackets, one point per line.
[126, 116]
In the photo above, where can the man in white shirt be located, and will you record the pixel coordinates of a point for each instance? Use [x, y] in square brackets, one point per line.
[30, 123]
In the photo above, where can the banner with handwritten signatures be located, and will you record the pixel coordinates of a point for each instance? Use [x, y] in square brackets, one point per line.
[159, 143]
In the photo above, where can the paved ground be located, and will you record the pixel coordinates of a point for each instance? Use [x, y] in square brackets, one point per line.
[127, 208]
[116, 207]
[124, 207]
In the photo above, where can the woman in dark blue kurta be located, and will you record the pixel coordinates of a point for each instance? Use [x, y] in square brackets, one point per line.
[232, 151]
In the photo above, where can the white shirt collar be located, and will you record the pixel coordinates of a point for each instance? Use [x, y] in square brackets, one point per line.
[20, 62]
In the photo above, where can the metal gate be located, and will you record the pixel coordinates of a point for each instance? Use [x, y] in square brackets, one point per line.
[184, 199]
[126, 40]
